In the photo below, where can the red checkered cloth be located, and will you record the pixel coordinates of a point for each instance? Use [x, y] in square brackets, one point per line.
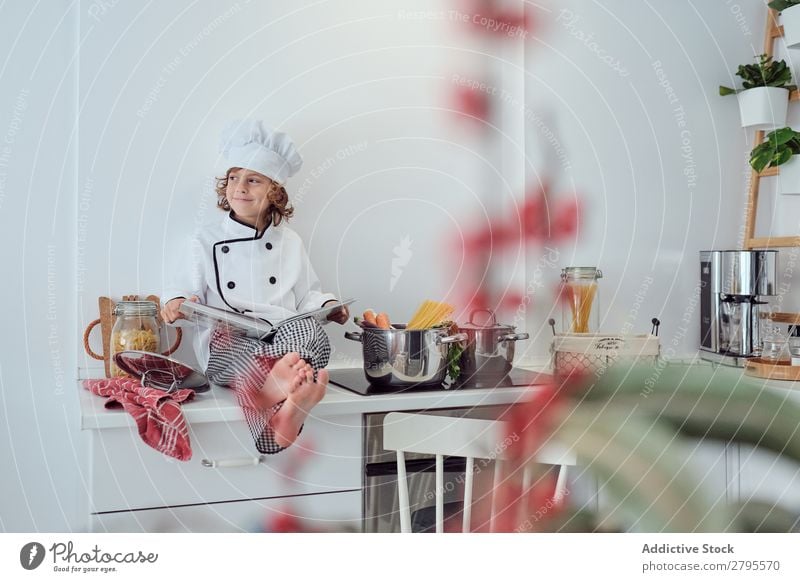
[158, 415]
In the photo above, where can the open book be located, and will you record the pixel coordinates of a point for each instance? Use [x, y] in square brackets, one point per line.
[254, 327]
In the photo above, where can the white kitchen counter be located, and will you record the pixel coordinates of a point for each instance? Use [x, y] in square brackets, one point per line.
[219, 404]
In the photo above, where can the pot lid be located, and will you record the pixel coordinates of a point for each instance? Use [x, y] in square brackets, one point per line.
[487, 320]
[160, 372]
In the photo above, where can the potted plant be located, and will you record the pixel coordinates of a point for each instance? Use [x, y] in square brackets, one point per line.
[764, 97]
[779, 148]
[790, 19]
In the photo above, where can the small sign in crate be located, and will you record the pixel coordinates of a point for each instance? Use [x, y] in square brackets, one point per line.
[592, 352]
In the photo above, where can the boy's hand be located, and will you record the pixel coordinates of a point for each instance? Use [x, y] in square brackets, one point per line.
[170, 312]
[341, 315]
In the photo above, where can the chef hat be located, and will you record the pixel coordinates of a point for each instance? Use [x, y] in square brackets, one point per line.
[248, 144]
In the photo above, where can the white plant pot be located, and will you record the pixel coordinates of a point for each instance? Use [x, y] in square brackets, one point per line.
[763, 107]
[790, 19]
[789, 176]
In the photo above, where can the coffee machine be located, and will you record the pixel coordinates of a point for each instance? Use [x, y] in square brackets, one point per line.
[733, 285]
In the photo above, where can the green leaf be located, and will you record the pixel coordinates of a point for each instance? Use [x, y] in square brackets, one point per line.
[726, 91]
[781, 136]
[784, 155]
[454, 361]
[781, 5]
[766, 73]
[760, 158]
[776, 149]
[760, 517]
[710, 402]
[642, 467]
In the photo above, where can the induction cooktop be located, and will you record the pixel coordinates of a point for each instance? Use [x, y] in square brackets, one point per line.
[353, 379]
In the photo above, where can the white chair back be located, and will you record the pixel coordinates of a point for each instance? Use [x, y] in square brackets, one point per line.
[459, 437]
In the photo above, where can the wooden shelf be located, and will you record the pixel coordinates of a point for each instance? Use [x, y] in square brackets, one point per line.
[772, 31]
[771, 242]
[783, 317]
[781, 370]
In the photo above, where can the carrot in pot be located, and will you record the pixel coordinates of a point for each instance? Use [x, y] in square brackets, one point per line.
[383, 321]
[369, 317]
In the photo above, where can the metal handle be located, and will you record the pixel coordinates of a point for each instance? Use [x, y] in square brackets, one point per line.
[228, 463]
[452, 339]
[353, 335]
[513, 337]
[160, 385]
[493, 320]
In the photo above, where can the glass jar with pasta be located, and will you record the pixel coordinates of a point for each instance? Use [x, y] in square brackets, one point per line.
[136, 328]
[579, 311]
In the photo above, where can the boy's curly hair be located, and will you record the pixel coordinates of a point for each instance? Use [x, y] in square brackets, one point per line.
[279, 207]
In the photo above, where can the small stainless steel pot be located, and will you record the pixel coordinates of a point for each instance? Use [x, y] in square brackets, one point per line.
[401, 358]
[489, 353]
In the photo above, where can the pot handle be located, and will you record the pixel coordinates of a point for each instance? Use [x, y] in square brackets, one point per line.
[452, 339]
[493, 320]
[353, 335]
[513, 337]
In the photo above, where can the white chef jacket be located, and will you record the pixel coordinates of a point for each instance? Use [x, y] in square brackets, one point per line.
[229, 265]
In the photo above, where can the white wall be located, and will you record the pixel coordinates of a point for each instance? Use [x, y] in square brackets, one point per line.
[156, 83]
[658, 184]
[361, 87]
[40, 447]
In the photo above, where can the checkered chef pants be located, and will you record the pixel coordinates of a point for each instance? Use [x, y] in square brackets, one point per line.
[243, 363]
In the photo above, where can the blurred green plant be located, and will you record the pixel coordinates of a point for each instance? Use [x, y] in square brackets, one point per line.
[631, 429]
[781, 5]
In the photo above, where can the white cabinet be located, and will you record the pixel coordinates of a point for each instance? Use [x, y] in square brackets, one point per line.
[127, 475]
[316, 513]
[764, 476]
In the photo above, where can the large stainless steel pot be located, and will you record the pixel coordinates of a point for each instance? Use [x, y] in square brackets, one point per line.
[403, 358]
[489, 353]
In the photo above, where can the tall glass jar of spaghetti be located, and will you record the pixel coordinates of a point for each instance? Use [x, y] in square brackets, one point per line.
[136, 328]
[580, 309]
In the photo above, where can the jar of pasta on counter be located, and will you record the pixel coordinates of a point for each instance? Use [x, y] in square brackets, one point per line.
[580, 311]
[136, 328]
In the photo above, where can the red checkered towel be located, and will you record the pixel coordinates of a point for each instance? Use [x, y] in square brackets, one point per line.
[158, 415]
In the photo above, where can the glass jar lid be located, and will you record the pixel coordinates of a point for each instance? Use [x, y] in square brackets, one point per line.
[140, 308]
[581, 273]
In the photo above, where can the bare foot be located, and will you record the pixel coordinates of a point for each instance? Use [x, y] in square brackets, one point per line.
[284, 377]
[288, 420]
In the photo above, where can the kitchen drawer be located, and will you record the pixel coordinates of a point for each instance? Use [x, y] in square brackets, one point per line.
[127, 474]
[322, 512]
